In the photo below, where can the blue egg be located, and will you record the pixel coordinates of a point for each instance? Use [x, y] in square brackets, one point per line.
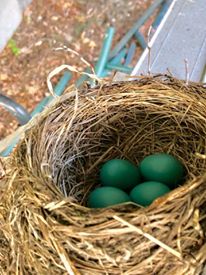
[107, 196]
[145, 193]
[163, 168]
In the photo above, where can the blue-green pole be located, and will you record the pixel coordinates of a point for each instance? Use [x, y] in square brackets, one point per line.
[130, 54]
[135, 27]
[141, 40]
[120, 68]
[114, 61]
[83, 78]
[104, 54]
[162, 12]
[58, 90]
[119, 57]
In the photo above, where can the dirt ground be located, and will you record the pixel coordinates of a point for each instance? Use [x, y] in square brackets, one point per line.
[48, 24]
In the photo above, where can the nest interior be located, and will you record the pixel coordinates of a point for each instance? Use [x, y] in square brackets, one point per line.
[45, 221]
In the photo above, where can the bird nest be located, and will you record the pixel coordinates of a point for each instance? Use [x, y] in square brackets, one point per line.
[45, 224]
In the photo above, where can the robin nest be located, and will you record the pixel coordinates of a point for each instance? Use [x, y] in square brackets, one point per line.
[45, 223]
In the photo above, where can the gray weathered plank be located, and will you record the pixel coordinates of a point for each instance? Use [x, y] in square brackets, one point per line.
[181, 35]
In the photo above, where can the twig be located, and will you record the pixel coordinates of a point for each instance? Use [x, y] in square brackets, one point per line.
[70, 68]
[149, 49]
[150, 237]
[187, 75]
[65, 48]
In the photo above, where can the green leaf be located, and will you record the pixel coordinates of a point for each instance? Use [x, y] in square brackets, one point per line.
[12, 45]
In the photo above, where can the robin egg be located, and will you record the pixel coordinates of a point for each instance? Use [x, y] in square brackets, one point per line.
[145, 193]
[107, 196]
[120, 173]
[163, 168]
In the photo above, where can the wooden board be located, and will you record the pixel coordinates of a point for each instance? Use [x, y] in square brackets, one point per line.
[181, 36]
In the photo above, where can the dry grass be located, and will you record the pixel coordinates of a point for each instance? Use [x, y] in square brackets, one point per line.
[45, 226]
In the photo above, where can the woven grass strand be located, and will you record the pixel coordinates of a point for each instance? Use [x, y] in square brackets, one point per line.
[45, 226]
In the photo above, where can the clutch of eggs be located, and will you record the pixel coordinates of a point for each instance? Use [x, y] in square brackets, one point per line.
[156, 175]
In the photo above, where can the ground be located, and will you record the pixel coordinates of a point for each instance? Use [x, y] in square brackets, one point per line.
[48, 24]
